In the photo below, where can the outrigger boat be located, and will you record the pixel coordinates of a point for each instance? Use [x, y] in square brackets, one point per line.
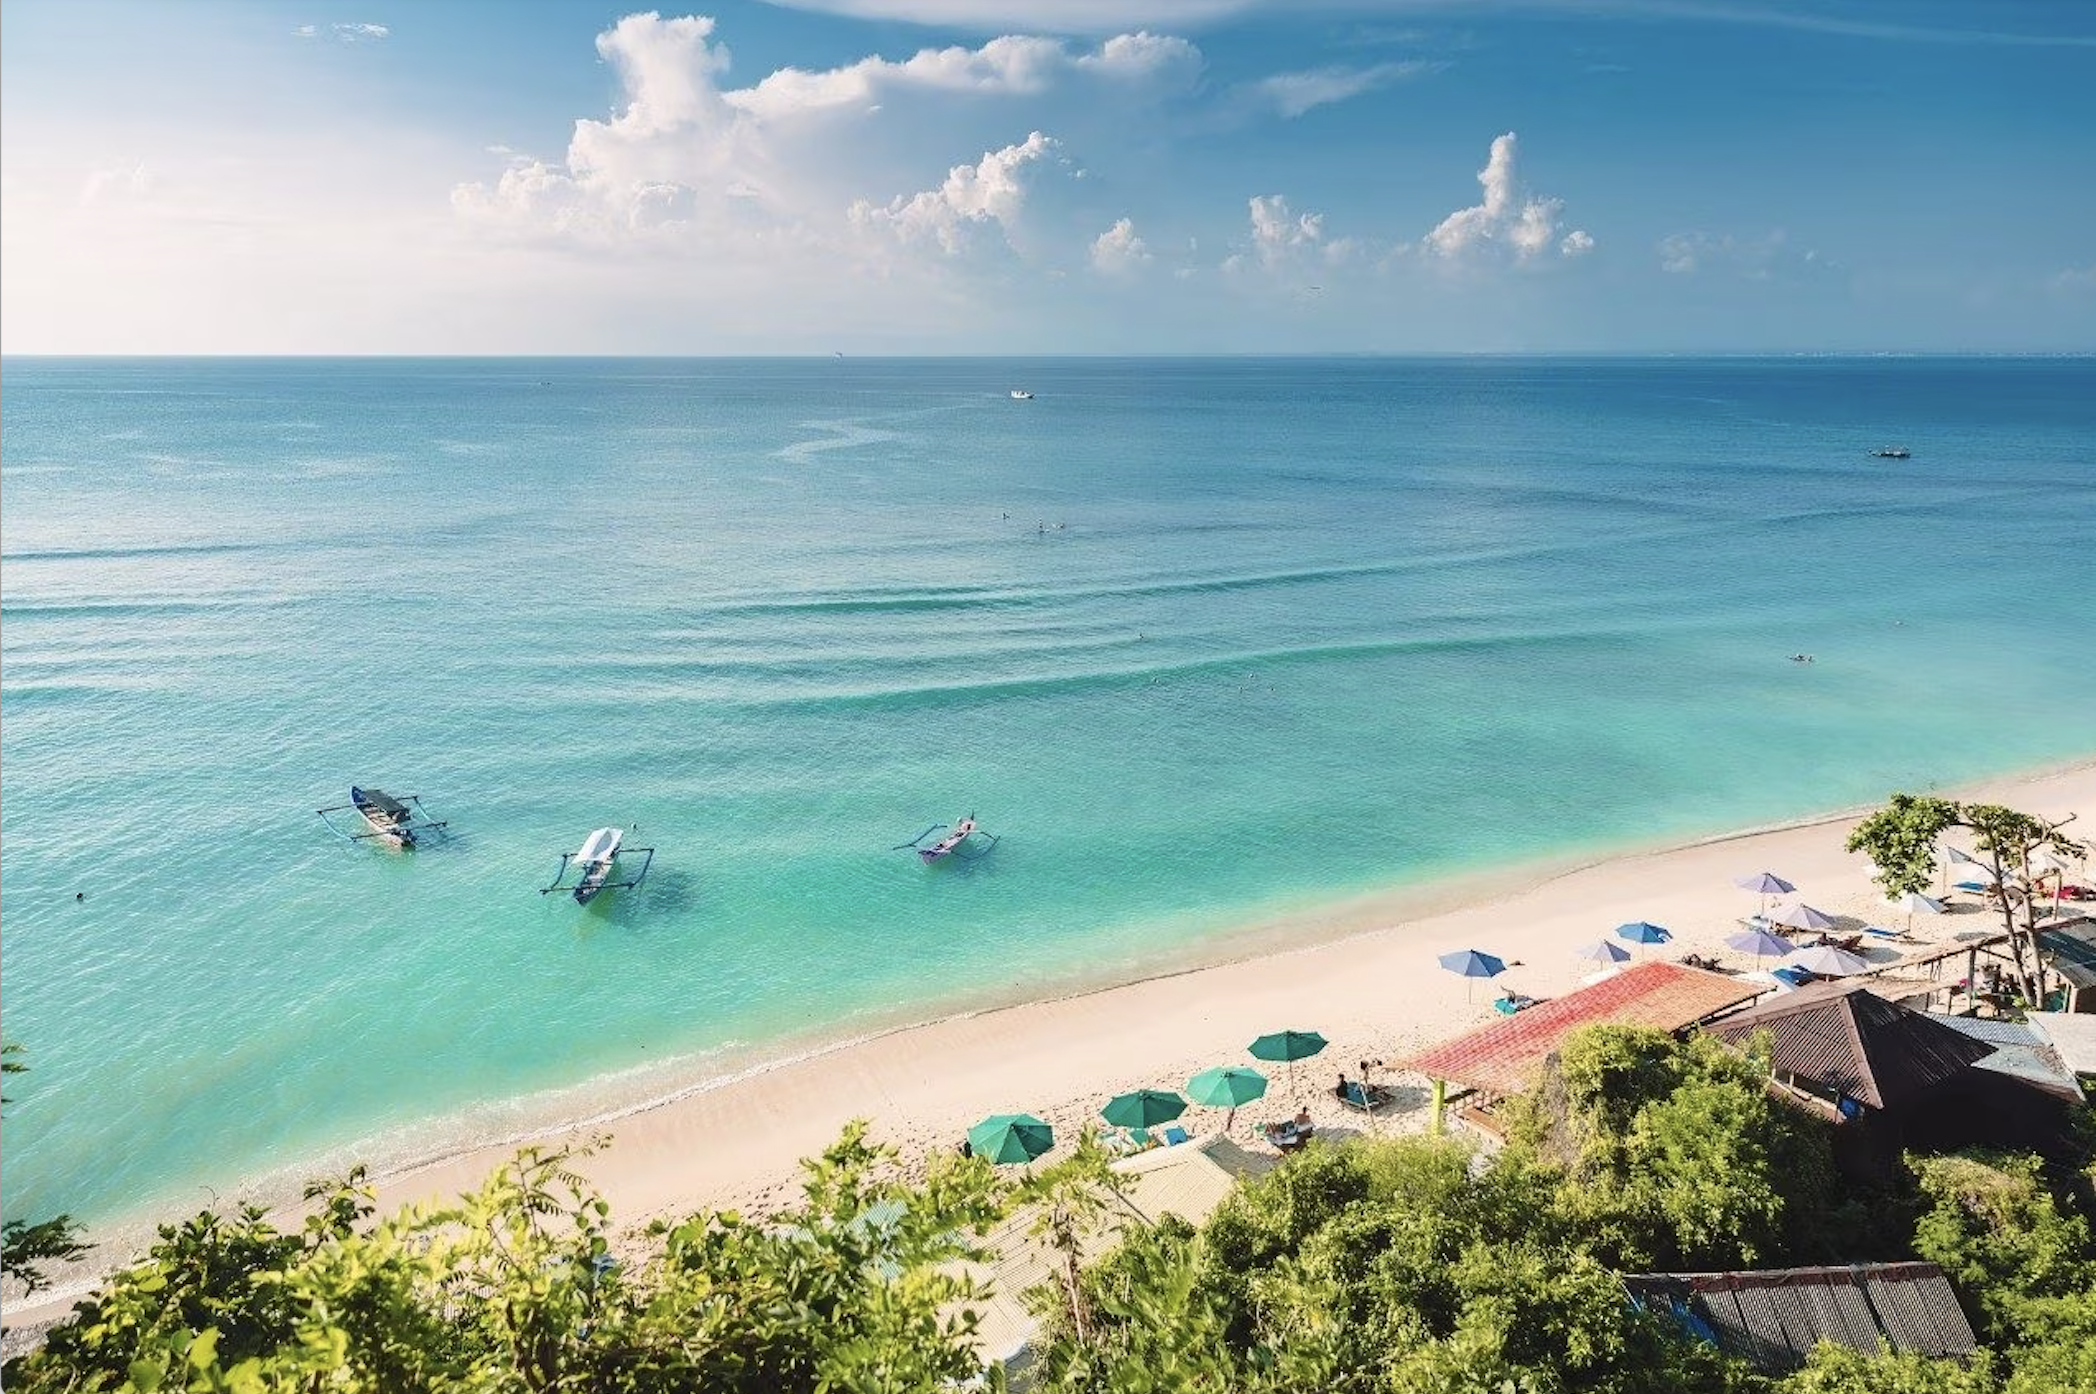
[1893, 452]
[956, 836]
[398, 822]
[594, 862]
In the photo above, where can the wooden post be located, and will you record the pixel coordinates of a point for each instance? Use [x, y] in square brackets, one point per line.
[1440, 1105]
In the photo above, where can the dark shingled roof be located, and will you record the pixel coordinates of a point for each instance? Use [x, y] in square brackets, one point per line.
[1842, 1038]
[1503, 1057]
[1773, 1318]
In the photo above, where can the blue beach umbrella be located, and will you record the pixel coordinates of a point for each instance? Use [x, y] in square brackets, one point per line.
[1644, 932]
[1470, 963]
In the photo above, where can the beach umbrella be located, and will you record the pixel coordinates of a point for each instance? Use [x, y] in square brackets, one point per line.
[1803, 916]
[1764, 884]
[1602, 951]
[1145, 1108]
[1644, 932]
[1287, 1046]
[1226, 1086]
[1758, 942]
[1007, 1138]
[1915, 903]
[1827, 961]
[1470, 963]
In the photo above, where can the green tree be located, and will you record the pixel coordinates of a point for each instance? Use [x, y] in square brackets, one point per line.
[28, 1246]
[1901, 841]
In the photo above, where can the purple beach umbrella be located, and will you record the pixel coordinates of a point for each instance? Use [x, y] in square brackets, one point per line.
[1758, 942]
[1803, 916]
[1764, 884]
[1602, 951]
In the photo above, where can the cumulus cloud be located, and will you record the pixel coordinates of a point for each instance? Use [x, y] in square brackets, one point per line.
[688, 161]
[344, 33]
[2075, 278]
[1010, 65]
[1118, 251]
[1525, 227]
[1292, 94]
[1754, 258]
[992, 191]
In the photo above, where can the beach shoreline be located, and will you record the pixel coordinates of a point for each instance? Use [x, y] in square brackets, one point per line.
[1360, 970]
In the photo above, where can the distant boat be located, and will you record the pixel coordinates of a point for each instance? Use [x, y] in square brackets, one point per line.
[397, 822]
[951, 843]
[1893, 452]
[1020, 394]
[593, 863]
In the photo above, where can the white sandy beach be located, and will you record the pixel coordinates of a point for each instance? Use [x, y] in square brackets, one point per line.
[1376, 994]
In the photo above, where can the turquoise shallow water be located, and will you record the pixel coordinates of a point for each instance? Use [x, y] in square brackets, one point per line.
[1204, 641]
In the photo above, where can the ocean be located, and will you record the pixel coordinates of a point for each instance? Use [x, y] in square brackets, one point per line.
[1205, 643]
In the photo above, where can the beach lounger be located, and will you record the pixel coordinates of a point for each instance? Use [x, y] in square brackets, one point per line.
[1366, 1100]
[1174, 1135]
[1877, 932]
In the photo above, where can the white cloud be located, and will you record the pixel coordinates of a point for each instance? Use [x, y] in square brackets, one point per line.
[1292, 94]
[1118, 251]
[345, 33]
[1524, 226]
[2075, 278]
[1011, 65]
[1764, 258]
[687, 162]
[994, 190]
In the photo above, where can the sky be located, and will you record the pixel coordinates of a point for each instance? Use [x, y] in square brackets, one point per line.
[1047, 176]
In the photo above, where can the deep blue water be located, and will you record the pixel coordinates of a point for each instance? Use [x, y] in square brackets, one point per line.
[1203, 641]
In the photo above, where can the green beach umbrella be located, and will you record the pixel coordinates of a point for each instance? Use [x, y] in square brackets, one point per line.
[1287, 1046]
[1226, 1086]
[1145, 1108]
[1007, 1138]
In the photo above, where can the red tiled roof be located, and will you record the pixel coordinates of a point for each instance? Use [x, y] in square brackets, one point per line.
[1502, 1057]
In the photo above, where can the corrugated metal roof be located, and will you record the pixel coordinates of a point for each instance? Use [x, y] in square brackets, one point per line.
[1772, 1318]
[1840, 1037]
[2070, 946]
[1503, 1056]
[2020, 1051]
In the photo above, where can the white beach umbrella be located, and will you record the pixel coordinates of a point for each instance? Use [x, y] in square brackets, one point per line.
[1827, 961]
[1915, 903]
[1803, 916]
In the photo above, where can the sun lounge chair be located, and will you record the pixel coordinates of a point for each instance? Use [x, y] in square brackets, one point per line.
[1508, 1003]
[1878, 932]
[1174, 1135]
[1366, 1098]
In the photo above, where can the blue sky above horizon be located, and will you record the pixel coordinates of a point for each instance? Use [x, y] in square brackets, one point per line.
[1047, 176]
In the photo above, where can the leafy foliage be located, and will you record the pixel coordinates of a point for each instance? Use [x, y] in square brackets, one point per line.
[1901, 838]
[1411, 1266]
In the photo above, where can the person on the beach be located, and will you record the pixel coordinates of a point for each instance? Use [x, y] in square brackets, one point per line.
[1341, 1089]
[967, 1148]
[1302, 1119]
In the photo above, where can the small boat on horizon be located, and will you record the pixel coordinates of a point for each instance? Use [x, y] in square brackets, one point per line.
[1020, 394]
[594, 862]
[398, 822]
[1892, 452]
